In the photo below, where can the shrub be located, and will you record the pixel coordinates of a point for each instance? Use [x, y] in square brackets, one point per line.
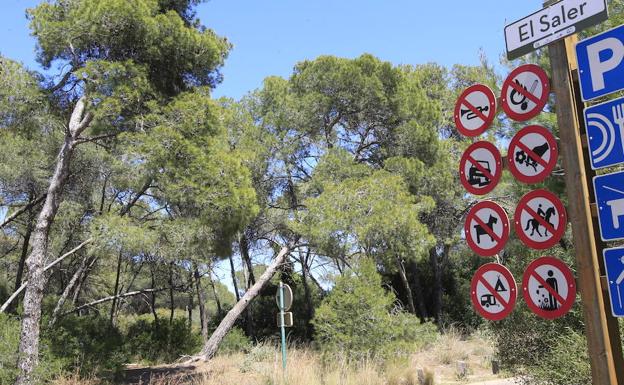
[89, 344]
[161, 341]
[566, 364]
[355, 319]
[234, 342]
[48, 368]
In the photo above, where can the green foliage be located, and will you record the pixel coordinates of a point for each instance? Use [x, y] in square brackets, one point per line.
[49, 366]
[355, 319]
[152, 341]
[178, 55]
[89, 344]
[567, 362]
[235, 342]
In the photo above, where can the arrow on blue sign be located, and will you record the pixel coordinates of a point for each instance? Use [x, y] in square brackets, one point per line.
[601, 63]
[614, 267]
[609, 190]
[605, 130]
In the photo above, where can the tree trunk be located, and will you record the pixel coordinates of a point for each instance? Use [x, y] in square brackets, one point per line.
[31, 317]
[116, 290]
[437, 282]
[20, 266]
[408, 290]
[191, 302]
[419, 300]
[171, 299]
[211, 347]
[244, 248]
[70, 286]
[216, 297]
[82, 280]
[153, 298]
[234, 279]
[201, 298]
[307, 293]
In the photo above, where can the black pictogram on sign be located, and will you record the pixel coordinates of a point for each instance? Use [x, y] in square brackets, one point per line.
[548, 287]
[480, 168]
[486, 228]
[475, 110]
[532, 154]
[540, 219]
[525, 92]
[493, 291]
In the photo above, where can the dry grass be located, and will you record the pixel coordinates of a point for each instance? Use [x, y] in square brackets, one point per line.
[436, 364]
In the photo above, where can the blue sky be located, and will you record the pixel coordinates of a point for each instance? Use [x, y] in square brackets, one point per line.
[270, 36]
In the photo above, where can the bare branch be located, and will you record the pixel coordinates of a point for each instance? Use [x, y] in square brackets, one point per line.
[19, 212]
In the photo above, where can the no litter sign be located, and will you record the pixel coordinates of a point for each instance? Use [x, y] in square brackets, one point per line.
[486, 228]
[548, 287]
[475, 110]
[532, 154]
[480, 168]
[540, 219]
[493, 291]
[525, 92]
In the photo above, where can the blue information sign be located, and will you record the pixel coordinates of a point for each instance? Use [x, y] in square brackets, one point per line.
[614, 266]
[609, 190]
[605, 130]
[601, 63]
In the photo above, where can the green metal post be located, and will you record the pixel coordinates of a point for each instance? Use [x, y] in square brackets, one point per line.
[283, 329]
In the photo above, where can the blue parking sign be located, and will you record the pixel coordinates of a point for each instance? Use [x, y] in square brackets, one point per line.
[605, 133]
[609, 191]
[614, 267]
[601, 63]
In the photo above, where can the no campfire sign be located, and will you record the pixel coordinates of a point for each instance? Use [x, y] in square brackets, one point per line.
[548, 287]
[540, 219]
[493, 291]
[532, 154]
[480, 168]
[525, 92]
[475, 110]
[486, 228]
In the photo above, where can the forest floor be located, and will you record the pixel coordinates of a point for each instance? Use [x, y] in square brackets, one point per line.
[262, 366]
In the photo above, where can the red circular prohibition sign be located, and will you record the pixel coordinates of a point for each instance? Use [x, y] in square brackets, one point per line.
[548, 287]
[480, 168]
[527, 163]
[525, 99]
[472, 119]
[540, 220]
[485, 228]
[488, 291]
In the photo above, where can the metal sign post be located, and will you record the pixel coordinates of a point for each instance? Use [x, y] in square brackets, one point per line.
[282, 327]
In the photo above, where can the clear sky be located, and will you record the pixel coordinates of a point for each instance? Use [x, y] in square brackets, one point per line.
[270, 36]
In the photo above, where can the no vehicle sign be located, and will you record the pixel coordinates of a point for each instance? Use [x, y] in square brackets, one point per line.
[548, 287]
[525, 92]
[532, 154]
[486, 228]
[540, 219]
[480, 168]
[475, 110]
[493, 291]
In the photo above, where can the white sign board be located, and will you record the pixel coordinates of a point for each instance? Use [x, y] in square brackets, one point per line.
[552, 23]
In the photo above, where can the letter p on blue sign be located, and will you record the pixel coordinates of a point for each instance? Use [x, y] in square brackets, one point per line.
[601, 63]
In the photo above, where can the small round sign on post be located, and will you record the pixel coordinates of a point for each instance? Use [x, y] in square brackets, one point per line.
[475, 110]
[486, 228]
[540, 219]
[548, 287]
[493, 291]
[532, 154]
[288, 297]
[525, 92]
[480, 168]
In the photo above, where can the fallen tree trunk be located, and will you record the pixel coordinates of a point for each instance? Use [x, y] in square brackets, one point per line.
[212, 345]
[48, 267]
